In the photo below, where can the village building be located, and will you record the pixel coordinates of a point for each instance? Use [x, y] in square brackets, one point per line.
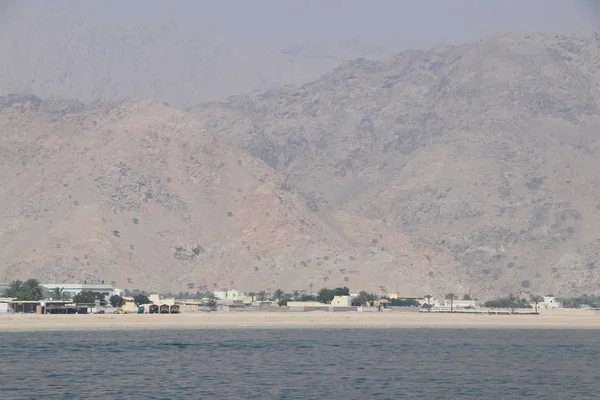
[72, 289]
[456, 304]
[341, 301]
[550, 302]
[229, 295]
[14, 306]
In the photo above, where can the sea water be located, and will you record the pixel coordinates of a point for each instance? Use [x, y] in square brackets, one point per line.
[301, 364]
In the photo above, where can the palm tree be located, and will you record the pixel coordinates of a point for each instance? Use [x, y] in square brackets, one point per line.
[278, 295]
[32, 290]
[537, 299]
[451, 297]
[57, 293]
[513, 302]
[15, 288]
[428, 297]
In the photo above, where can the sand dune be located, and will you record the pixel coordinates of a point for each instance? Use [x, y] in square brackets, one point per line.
[274, 320]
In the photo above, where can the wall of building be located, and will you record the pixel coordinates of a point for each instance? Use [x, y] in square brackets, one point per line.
[343, 309]
[404, 309]
[231, 307]
[457, 303]
[322, 307]
[156, 299]
[129, 305]
[305, 304]
[230, 295]
[74, 288]
[550, 302]
[342, 301]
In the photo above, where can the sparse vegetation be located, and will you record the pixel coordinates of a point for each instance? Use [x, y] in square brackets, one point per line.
[326, 295]
[30, 290]
[402, 302]
[58, 294]
[364, 299]
[88, 297]
[261, 296]
[511, 302]
[451, 297]
[116, 301]
[140, 299]
[278, 294]
[584, 300]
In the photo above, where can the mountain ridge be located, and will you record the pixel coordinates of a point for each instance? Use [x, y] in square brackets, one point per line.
[136, 193]
[465, 169]
[485, 149]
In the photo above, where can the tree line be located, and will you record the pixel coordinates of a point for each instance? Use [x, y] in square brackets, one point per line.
[31, 290]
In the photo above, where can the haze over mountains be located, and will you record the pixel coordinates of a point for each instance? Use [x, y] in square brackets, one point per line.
[469, 168]
[173, 62]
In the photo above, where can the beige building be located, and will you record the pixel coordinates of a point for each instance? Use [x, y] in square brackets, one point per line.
[456, 304]
[129, 305]
[232, 295]
[305, 304]
[341, 301]
[156, 299]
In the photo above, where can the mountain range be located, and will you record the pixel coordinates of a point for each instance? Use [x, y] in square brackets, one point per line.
[487, 152]
[465, 169]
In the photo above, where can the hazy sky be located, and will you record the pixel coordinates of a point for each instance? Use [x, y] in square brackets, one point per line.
[391, 23]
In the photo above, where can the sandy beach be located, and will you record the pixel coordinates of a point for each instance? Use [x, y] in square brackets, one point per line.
[282, 320]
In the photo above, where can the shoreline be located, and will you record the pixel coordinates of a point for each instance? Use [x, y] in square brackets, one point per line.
[286, 320]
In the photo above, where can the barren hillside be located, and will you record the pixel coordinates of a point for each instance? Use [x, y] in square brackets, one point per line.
[488, 151]
[138, 194]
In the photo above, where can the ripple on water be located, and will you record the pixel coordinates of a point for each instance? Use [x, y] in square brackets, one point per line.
[301, 364]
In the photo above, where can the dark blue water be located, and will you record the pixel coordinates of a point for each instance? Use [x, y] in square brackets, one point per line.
[301, 364]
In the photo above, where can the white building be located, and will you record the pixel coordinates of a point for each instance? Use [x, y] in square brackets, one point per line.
[71, 289]
[456, 304]
[550, 302]
[229, 295]
[156, 299]
[4, 307]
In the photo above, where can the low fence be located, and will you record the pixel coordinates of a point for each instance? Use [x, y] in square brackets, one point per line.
[482, 310]
[404, 309]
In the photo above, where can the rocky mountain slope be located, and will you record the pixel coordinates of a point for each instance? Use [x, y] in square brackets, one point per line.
[137, 193]
[178, 63]
[488, 152]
